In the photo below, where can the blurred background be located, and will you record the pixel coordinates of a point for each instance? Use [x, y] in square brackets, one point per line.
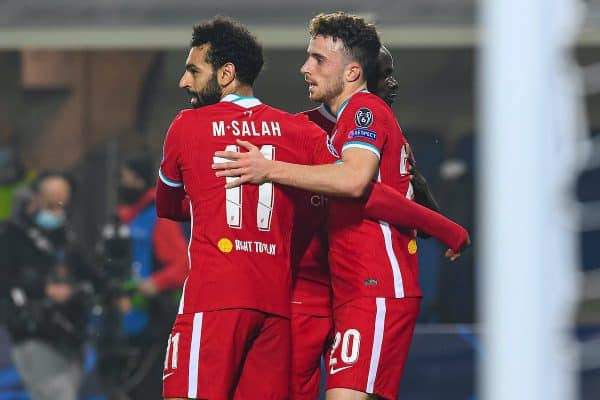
[86, 86]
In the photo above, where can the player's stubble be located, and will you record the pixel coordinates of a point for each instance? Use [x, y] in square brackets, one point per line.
[330, 91]
[210, 94]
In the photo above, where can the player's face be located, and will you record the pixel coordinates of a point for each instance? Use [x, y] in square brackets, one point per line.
[323, 70]
[387, 86]
[200, 79]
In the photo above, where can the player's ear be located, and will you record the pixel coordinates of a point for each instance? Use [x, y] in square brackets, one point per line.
[353, 72]
[226, 74]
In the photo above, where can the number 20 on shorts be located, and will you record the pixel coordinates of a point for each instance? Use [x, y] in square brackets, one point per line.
[350, 350]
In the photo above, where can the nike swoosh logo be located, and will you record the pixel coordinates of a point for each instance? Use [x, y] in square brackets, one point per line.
[167, 375]
[333, 371]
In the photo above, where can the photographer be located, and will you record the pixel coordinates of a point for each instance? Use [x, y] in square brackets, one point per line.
[145, 258]
[44, 292]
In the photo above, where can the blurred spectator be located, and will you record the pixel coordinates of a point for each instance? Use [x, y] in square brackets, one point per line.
[13, 176]
[44, 291]
[147, 257]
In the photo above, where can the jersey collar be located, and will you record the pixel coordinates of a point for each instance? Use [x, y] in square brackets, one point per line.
[326, 112]
[345, 103]
[244, 101]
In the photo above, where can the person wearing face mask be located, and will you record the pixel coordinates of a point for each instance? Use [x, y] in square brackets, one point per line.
[152, 270]
[45, 287]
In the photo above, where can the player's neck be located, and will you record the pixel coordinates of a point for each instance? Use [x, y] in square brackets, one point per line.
[337, 102]
[240, 90]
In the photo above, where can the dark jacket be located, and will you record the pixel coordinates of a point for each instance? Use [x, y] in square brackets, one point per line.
[30, 259]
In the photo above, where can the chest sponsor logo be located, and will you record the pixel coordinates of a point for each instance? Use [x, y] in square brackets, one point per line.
[371, 282]
[318, 200]
[363, 117]
[225, 245]
[360, 133]
[253, 246]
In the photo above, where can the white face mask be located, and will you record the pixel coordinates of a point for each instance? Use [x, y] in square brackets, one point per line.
[48, 220]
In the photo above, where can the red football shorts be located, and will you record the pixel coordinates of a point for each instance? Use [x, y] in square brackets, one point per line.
[372, 337]
[311, 336]
[228, 354]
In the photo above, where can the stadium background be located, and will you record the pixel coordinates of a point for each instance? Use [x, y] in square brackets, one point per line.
[83, 83]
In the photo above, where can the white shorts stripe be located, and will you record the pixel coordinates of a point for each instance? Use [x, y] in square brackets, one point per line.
[194, 356]
[387, 237]
[377, 342]
[182, 300]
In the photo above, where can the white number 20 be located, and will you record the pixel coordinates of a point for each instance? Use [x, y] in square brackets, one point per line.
[350, 342]
[233, 196]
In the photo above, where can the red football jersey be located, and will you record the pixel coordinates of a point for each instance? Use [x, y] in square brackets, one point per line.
[239, 252]
[369, 258]
[312, 287]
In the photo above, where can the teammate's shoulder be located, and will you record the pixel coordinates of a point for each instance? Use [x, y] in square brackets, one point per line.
[310, 111]
[285, 116]
[184, 115]
[196, 115]
[306, 123]
[371, 101]
[366, 108]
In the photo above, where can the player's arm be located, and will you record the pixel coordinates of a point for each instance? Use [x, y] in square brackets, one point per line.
[172, 202]
[170, 193]
[349, 177]
[387, 204]
[171, 251]
[423, 194]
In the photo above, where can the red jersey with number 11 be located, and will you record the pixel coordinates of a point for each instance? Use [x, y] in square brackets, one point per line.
[239, 251]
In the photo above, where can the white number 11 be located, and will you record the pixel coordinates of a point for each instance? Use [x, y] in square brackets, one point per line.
[233, 196]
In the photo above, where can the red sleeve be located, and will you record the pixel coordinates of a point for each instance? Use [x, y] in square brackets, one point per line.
[172, 203]
[169, 172]
[170, 249]
[364, 128]
[170, 193]
[387, 204]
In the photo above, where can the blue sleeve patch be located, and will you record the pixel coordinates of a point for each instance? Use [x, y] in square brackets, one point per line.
[362, 133]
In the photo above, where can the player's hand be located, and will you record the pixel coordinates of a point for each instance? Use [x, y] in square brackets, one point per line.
[148, 288]
[250, 167]
[452, 255]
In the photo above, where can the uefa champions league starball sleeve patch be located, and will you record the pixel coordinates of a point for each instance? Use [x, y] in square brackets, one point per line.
[363, 119]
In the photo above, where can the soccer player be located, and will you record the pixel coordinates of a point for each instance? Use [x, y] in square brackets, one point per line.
[311, 312]
[373, 265]
[231, 337]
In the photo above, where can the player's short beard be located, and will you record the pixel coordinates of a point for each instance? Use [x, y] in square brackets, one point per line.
[211, 94]
[332, 91]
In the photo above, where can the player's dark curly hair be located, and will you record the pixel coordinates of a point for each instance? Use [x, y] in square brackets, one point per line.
[231, 42]
[359, 37]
